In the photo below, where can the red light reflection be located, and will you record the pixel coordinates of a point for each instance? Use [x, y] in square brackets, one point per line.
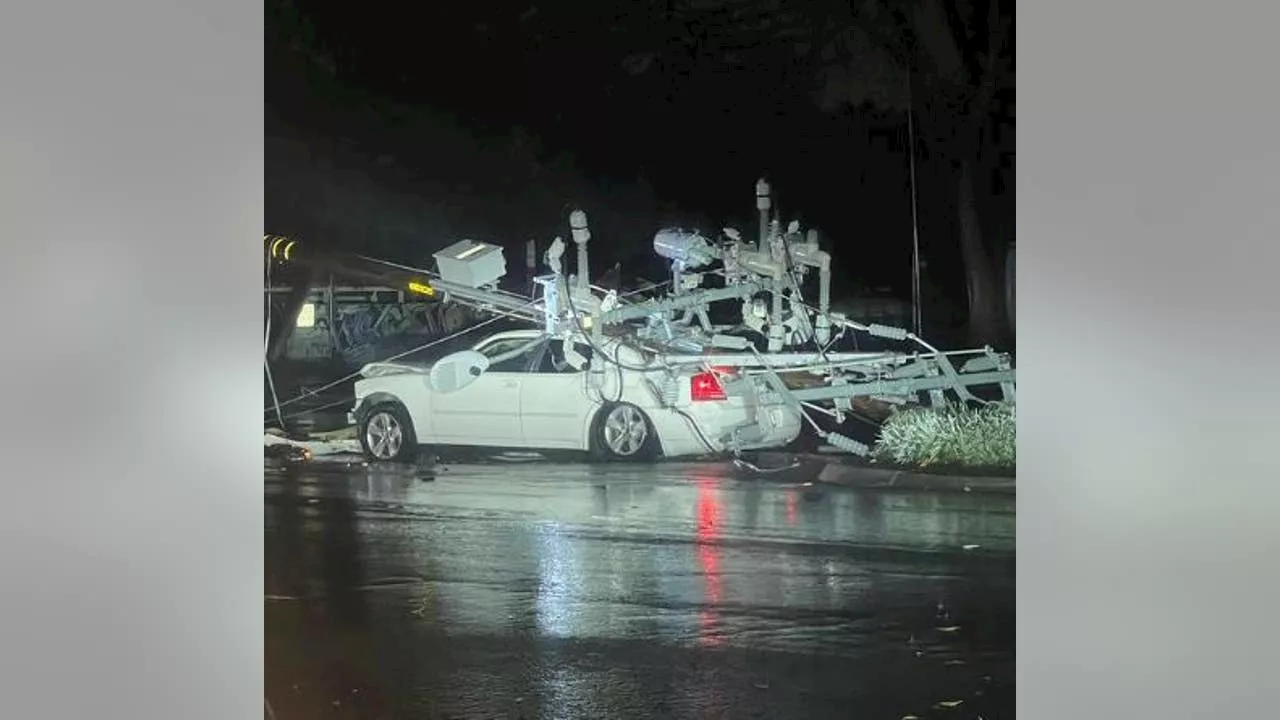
[709, 512]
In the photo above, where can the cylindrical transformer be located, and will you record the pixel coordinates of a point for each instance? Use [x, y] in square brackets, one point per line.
[690, 249]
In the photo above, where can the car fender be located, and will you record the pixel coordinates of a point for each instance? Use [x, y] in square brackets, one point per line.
[373, 399]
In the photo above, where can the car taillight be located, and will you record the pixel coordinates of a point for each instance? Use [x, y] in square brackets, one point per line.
[706, 386]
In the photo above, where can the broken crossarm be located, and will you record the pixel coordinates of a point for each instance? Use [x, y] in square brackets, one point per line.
[902, 386]
[699, 299]
[784, 360]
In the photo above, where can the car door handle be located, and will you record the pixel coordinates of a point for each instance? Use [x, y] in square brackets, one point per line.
[510, 384]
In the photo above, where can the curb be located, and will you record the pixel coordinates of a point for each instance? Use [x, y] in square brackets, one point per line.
[838, 471]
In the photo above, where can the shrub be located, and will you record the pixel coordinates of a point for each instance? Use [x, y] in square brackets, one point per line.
[951, 436]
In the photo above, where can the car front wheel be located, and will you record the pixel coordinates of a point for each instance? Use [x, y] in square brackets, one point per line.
[386, 434]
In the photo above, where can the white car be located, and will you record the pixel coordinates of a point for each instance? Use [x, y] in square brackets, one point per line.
[516, 389]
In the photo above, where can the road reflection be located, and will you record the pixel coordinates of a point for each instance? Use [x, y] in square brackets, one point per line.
[558, 583]
[576, 591]
[708, 511]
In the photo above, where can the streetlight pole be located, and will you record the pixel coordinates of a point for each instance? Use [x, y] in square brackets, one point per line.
[916, 316]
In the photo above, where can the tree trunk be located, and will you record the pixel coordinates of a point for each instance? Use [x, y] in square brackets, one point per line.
[302, 281]
[986, 323]
[1010, 298]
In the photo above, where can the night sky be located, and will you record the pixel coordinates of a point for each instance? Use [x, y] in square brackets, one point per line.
[397, 128]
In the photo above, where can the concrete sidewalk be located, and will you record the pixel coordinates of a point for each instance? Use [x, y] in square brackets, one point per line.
[856, 473]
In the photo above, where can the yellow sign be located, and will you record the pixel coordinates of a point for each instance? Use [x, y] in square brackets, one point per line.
[422, 288]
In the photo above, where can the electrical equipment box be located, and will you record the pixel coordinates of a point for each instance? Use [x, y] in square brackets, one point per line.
[471, 263]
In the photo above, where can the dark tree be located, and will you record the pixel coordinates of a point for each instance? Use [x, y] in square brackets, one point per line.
[949, 60]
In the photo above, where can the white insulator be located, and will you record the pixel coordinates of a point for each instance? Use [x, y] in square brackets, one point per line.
[848, 444]
[885, 331]
[578, 225]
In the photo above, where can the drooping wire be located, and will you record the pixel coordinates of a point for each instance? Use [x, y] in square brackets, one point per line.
[498, 315]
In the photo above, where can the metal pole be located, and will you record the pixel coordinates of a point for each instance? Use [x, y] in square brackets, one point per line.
[330, 305]
[916, 317]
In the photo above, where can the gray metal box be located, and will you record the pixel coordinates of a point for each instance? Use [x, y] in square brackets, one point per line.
[471, 263]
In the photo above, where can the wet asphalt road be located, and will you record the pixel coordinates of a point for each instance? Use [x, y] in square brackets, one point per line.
[678, 591]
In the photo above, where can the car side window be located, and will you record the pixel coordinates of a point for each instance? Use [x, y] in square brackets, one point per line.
[519, 363]
[553, 361]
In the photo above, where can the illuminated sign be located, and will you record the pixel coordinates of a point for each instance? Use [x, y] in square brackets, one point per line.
[307, 316]
[422, 288]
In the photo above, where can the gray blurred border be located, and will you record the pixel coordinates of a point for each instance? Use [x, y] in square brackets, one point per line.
[131, 142]
[130, 213]
[1147, 208]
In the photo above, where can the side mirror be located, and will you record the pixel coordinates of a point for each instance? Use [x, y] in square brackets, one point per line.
[454, 372]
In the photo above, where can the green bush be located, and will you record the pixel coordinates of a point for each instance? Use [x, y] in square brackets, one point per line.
[951, 436]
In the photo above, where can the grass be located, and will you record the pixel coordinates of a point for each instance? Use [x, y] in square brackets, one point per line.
[955, 438]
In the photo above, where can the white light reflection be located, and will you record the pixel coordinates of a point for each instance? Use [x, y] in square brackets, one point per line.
[558, 581]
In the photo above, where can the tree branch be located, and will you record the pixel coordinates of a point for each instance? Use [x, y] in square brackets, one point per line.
[985, 92]
[962, 35]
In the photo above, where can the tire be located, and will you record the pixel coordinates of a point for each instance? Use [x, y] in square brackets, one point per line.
[389, 421]
[621, 432]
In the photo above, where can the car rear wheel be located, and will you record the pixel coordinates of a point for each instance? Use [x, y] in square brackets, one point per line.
[622, 431]
[386, 434]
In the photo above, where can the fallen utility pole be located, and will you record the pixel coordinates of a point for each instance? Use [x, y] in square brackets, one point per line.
[779, 334]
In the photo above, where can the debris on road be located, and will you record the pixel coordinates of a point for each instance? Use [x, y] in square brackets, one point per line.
[313, 447]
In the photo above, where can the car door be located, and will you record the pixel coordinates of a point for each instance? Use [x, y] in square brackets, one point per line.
[555, 405]
[487, 411]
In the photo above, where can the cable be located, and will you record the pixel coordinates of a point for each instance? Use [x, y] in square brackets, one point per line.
[774, 374]
[647, 289]
[577, 320]
[757, 469]
[804, 307]
[314, 393]
[326, 406]
[266, 350]
[696, 429]
[863, 328]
